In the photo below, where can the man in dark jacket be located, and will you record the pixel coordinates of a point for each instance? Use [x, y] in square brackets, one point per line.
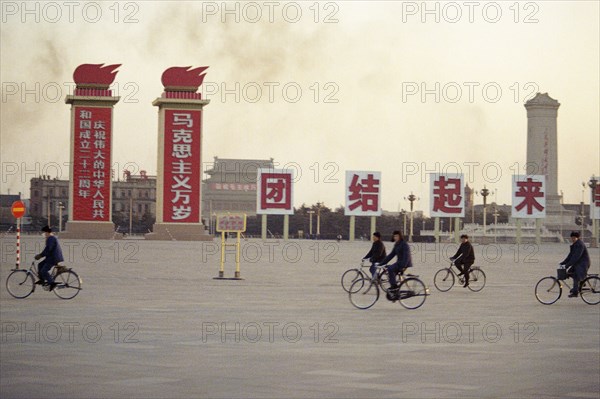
[52, 255]
[401, 251]
[464, 258]
[579, 262]
[376, 254]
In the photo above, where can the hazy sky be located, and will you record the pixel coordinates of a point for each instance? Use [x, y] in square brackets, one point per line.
[384, 86]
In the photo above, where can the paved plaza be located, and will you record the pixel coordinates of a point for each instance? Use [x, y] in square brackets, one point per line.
[151, 322]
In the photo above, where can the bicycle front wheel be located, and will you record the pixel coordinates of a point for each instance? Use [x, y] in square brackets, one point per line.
[590, 290]
[364, 293]
[476, 279]
[68, 285]
[384, 280]
[548, 290]
[349, 277]
[412, 293]
[20, 284]
[443, 279]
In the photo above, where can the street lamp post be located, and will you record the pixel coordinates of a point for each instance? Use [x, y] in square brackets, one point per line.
[310, 213]
[562, 201]
[411, 198]
[60, 213]
[318, 219]
[130, 212]
[496, 214]
[593, 183]
[582, 209]
[48, 208]
[484, 193]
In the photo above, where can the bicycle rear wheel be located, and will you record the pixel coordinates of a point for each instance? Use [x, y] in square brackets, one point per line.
[364, 293]
[443, 279]
[68, 285]
[548, 290]
[20, 284]
[412, 293]
[590, 290]
[476, 279]
[350, 276]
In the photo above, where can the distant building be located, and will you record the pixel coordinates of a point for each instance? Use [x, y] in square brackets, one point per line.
[47, 194]
[6, 217]
[231, 186]
[137, 192]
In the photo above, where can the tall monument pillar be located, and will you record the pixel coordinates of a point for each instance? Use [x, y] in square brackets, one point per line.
[90, 185]
[179, 177]
[542, 157]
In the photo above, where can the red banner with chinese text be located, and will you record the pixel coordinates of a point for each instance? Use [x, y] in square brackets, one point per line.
[182, 169]
[91, 164]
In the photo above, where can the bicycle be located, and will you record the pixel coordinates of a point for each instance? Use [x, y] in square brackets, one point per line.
[412, 292]
[444, 278]
[21, 283]
[549, 289]
[352, 275]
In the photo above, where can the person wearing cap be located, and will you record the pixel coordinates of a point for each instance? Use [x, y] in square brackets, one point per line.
[401, 251]
[464, 258]
[578, 261]
[52, 255]
[376, 254]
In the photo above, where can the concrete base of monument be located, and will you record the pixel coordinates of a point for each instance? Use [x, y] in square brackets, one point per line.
[179, 232]
[90, 231]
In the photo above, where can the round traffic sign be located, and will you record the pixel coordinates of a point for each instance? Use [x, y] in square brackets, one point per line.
[18, 209]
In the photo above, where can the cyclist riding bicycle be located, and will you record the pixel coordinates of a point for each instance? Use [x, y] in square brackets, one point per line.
[52, 254]
[401, 251]
[376, 254]
[577, 262]
[464, 258]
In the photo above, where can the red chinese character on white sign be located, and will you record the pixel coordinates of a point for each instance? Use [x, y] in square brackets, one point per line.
[447, 195]
[274, 194]
[362, 193]
[529, 196]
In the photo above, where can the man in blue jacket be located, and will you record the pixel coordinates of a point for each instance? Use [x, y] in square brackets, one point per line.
[579, 262]
[401, 251]
[52, 255]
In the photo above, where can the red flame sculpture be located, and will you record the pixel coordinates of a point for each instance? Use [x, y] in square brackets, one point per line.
[183, 78]
[95, 75]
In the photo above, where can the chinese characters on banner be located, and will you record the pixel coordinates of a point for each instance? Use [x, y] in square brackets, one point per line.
[91, 169]
[595, 201]
[274, 192]
[181, 190]
[447, 193]
[363, 193]
[234, 222]
[528, 196]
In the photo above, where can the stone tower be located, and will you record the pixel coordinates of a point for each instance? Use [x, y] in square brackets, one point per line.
[542, 157]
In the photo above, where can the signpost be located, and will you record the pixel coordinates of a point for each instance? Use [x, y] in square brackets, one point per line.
[230, 223]
[363, 197]
[529, 202]
[18, 210]
[274, 196]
